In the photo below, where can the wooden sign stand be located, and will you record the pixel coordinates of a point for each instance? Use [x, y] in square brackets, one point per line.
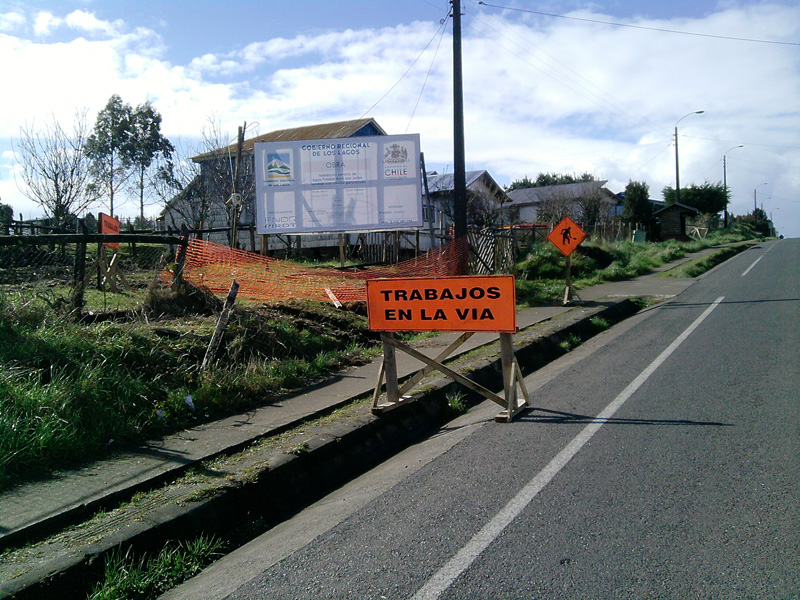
[569, 292]
[396, 394]
[106, 273]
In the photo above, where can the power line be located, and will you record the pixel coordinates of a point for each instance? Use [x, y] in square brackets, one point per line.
[424, 83]
[662, 30]
[739, 142]
[441, 27]
[617, 107]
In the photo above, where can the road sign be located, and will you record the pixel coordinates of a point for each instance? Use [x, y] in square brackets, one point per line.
[108, 224]
[442, 304]
[567, 236]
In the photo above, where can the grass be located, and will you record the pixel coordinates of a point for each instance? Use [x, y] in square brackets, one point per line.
[540, 274]
[127, 577]
[71, 392]
[698, 267]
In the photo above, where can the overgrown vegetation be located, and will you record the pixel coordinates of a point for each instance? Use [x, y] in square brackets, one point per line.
[72, 391]
[127, 577]
[540, 274]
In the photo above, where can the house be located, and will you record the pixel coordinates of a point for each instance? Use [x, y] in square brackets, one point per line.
[673, 220]
[204, 203]
[553, 202]
[486, 199]
[654, 204]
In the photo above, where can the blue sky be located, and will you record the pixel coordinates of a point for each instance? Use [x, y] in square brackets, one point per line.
[541, 94]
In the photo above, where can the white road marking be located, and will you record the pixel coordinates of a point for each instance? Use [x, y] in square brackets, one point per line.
[747, 270]
[444, 578]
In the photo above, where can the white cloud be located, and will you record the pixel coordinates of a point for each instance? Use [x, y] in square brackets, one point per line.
[86, 21]
[45, 23]
[11, 21]
[540, 94]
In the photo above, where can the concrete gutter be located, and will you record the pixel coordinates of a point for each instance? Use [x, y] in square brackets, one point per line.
[270, 483]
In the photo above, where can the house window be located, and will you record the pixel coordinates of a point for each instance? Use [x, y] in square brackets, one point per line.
[427, 213]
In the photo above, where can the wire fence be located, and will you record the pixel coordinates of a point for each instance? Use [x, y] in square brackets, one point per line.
[49, 264]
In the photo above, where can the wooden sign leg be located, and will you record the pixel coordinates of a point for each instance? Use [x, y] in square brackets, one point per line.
[390, 368]
[509, 374]
[568, 289]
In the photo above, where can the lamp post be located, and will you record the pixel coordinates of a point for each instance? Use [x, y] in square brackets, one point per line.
[725, 185]
[755, 198]
[677, 168]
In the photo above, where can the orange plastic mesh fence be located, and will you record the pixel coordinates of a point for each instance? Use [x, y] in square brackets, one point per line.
[214, 266]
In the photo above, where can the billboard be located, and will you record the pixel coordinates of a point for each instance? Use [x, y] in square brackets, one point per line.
[342, 184]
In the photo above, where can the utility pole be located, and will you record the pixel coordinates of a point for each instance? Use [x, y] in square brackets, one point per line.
[236, 197]
[459, 170]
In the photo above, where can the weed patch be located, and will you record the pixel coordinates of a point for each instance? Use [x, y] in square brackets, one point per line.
[128, 577]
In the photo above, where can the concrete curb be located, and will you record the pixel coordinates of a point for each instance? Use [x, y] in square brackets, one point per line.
[291, 482]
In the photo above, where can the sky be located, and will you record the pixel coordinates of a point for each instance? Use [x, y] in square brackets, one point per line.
[557, 87]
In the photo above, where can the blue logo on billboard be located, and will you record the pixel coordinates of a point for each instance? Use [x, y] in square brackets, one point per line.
[279, 167]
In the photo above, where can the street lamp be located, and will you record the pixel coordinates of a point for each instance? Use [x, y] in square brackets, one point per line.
[677, 169]
[725, 184]
[755, 199]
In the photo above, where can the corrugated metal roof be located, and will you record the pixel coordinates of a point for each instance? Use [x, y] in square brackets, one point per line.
[566, 191]
[445, 182]
[322, 131]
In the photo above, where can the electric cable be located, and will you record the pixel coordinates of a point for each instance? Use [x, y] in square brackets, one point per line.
[441, 26]
[659, 29]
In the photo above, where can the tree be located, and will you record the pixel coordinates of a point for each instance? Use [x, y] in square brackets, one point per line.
[546, 179]
[519, 184]
[708, 198]
[592, 208]
[109, 148]
[145, 144]
[555, 205]
[637, 207]
[54, 170]
[218, 176]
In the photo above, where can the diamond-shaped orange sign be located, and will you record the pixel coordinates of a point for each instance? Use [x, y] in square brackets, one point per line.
[567, 236]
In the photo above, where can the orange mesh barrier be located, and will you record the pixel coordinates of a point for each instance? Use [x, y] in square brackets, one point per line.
[214, 266]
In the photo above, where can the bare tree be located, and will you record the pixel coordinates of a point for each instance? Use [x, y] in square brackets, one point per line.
[555, 205]
[54, 170]
[218, 175]
[592, 208]
[177, 183]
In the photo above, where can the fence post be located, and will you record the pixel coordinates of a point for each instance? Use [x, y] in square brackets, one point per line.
[132, 244]
[80, 271]
[177, 276]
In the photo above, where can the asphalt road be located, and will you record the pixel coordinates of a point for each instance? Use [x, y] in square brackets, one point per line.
[662, 460]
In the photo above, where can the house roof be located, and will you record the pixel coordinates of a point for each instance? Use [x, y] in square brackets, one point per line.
[321, 131]
[445, 182]
[566, 191]
[677, 206]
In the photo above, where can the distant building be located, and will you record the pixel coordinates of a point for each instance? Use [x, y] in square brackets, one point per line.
[553, 202]
[486, 200]
[673, 220]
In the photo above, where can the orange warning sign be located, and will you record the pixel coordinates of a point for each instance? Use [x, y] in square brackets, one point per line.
[107, 224]
[486, 303]
[567, 236]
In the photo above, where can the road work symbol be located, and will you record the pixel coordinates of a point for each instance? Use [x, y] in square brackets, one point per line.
[566, 236]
